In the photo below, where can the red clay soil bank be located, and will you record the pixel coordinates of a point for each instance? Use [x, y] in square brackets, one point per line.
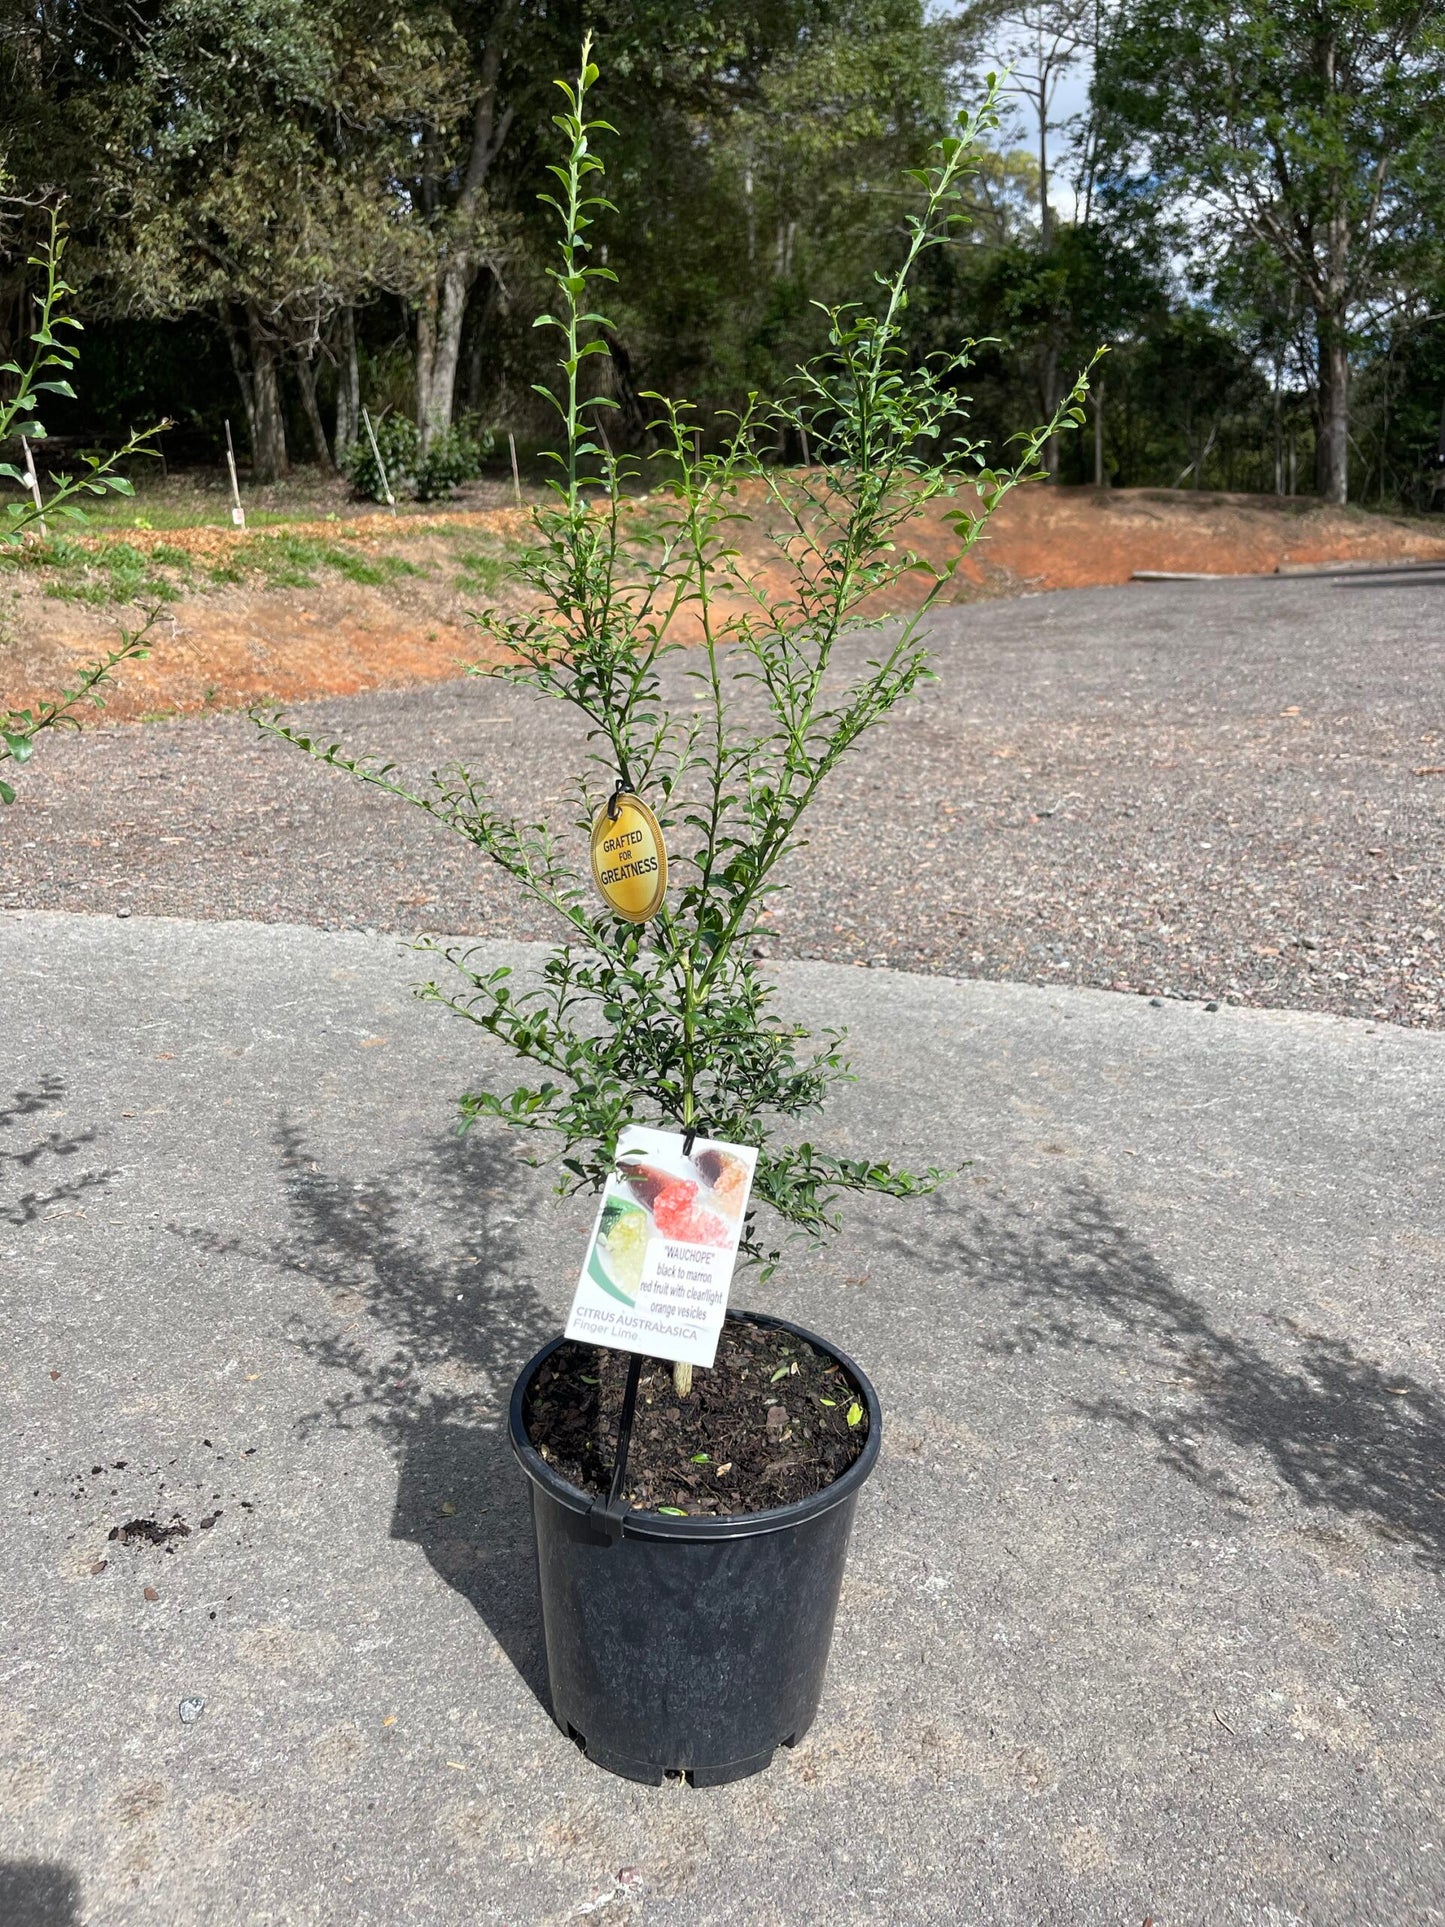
[1075, 538]
[231, 646]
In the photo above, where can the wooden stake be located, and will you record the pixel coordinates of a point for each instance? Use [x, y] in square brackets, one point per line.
[516, 478]
[35, 490]
[238, 514]
[807, 459]
[380, 464]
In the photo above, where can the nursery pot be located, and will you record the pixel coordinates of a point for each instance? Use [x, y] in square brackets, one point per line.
[690, 1646]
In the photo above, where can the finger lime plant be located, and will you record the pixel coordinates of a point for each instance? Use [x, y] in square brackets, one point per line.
[45, 369]
[691, 1544]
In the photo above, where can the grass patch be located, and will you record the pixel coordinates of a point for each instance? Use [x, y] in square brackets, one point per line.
[119, 572]
[374, 570]
[482, 571]
[204, 509]
[289, 562]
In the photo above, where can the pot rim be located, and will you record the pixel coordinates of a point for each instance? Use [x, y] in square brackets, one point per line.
[739, 1525]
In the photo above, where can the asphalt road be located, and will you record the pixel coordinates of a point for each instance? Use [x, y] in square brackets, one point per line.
[1143, 1616]
[1225, 791]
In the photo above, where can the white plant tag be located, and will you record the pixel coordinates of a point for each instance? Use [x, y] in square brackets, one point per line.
[660, 1259]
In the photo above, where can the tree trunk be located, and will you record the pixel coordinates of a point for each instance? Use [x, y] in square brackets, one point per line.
[348, 385]
[1101, 480]
[1332, 457]
[439, 324]
[243, 373]
[631, 407]
[478, 334]
[306, 377]
[1050, 386]
[268, 426]
[442, 313]
[1046, 218]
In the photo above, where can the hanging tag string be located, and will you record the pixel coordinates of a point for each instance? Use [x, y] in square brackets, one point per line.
[622, 788]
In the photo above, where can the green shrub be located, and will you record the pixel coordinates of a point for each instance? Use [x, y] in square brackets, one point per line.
[455, 456]
[400, 447]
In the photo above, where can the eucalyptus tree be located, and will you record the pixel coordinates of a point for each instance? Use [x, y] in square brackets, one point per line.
[782, 189]
[1039, 42]
[1307, 128]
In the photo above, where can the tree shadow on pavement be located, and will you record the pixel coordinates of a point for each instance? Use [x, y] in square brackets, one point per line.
[32, 1164]
[430, 1259]
[435, 1320]
[38, 1893]
[1337, 1429]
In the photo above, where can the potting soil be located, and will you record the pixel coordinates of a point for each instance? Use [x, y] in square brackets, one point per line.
[774, 1421]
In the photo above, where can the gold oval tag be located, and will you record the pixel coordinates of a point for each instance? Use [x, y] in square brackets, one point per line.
[629, 858]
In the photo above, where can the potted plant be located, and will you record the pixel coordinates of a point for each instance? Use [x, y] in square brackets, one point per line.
[691, 1535]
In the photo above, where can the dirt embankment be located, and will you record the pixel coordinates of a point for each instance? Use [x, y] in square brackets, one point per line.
[1082, 538]
[342, 606]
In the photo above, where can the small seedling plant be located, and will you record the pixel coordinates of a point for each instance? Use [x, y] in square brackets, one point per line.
[46, 370]
[672, 1023]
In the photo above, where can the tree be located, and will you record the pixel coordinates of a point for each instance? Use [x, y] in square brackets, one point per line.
[1049, 308]
[252, 158]
[1038, 41]
[1306, 127]
[743, 214]
[473, 164]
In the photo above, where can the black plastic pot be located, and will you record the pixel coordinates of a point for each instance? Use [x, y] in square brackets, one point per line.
[690, 1646]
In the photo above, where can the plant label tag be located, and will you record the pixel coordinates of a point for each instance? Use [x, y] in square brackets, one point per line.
[629, 858]
[661, 1255]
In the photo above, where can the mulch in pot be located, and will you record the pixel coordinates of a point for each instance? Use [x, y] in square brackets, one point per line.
[768, 1425]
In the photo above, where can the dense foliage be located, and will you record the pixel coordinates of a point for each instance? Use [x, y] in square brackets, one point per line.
[286, 210]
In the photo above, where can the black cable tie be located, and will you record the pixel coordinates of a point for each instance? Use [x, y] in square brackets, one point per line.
[688, 1140]
[621, 788]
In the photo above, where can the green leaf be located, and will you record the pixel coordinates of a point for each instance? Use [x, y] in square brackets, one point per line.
[700, 1458]
[781, 1372]
[855, 1413]
[673, 1511]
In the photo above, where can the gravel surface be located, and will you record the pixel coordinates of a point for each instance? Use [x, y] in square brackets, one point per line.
[1215, 790]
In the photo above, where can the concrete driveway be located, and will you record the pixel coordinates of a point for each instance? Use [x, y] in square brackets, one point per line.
[1143, 1614]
